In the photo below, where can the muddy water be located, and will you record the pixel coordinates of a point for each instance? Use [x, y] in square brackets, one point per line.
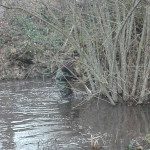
[34, 117]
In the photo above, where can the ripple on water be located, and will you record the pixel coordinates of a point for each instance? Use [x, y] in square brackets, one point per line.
[33, 117]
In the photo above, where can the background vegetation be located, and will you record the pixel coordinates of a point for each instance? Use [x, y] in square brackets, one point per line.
[112, 37]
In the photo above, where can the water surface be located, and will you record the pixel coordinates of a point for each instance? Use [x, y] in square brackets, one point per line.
[34, 117]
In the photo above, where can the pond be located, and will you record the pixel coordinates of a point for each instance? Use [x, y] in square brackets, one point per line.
[35, 117]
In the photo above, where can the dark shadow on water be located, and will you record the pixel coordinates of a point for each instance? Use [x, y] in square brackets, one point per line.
[120, 123]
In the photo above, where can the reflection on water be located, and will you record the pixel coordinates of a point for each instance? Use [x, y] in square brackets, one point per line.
[34, 117]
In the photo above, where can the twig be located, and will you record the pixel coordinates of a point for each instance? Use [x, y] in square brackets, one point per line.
[65, 43]
[80, 104]
[125, 21]
[116, 137]
[29, 72]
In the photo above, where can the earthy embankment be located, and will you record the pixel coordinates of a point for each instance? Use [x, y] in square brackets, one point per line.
[23, 54]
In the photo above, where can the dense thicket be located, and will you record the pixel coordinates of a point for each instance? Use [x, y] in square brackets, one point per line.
[112, 37]
[113, 40]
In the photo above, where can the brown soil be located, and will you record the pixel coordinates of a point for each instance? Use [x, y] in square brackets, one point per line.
[21, 62]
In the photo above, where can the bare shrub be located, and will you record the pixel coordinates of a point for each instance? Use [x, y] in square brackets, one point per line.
[113, 40]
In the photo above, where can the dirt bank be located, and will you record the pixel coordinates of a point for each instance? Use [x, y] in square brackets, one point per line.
[23, 54]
